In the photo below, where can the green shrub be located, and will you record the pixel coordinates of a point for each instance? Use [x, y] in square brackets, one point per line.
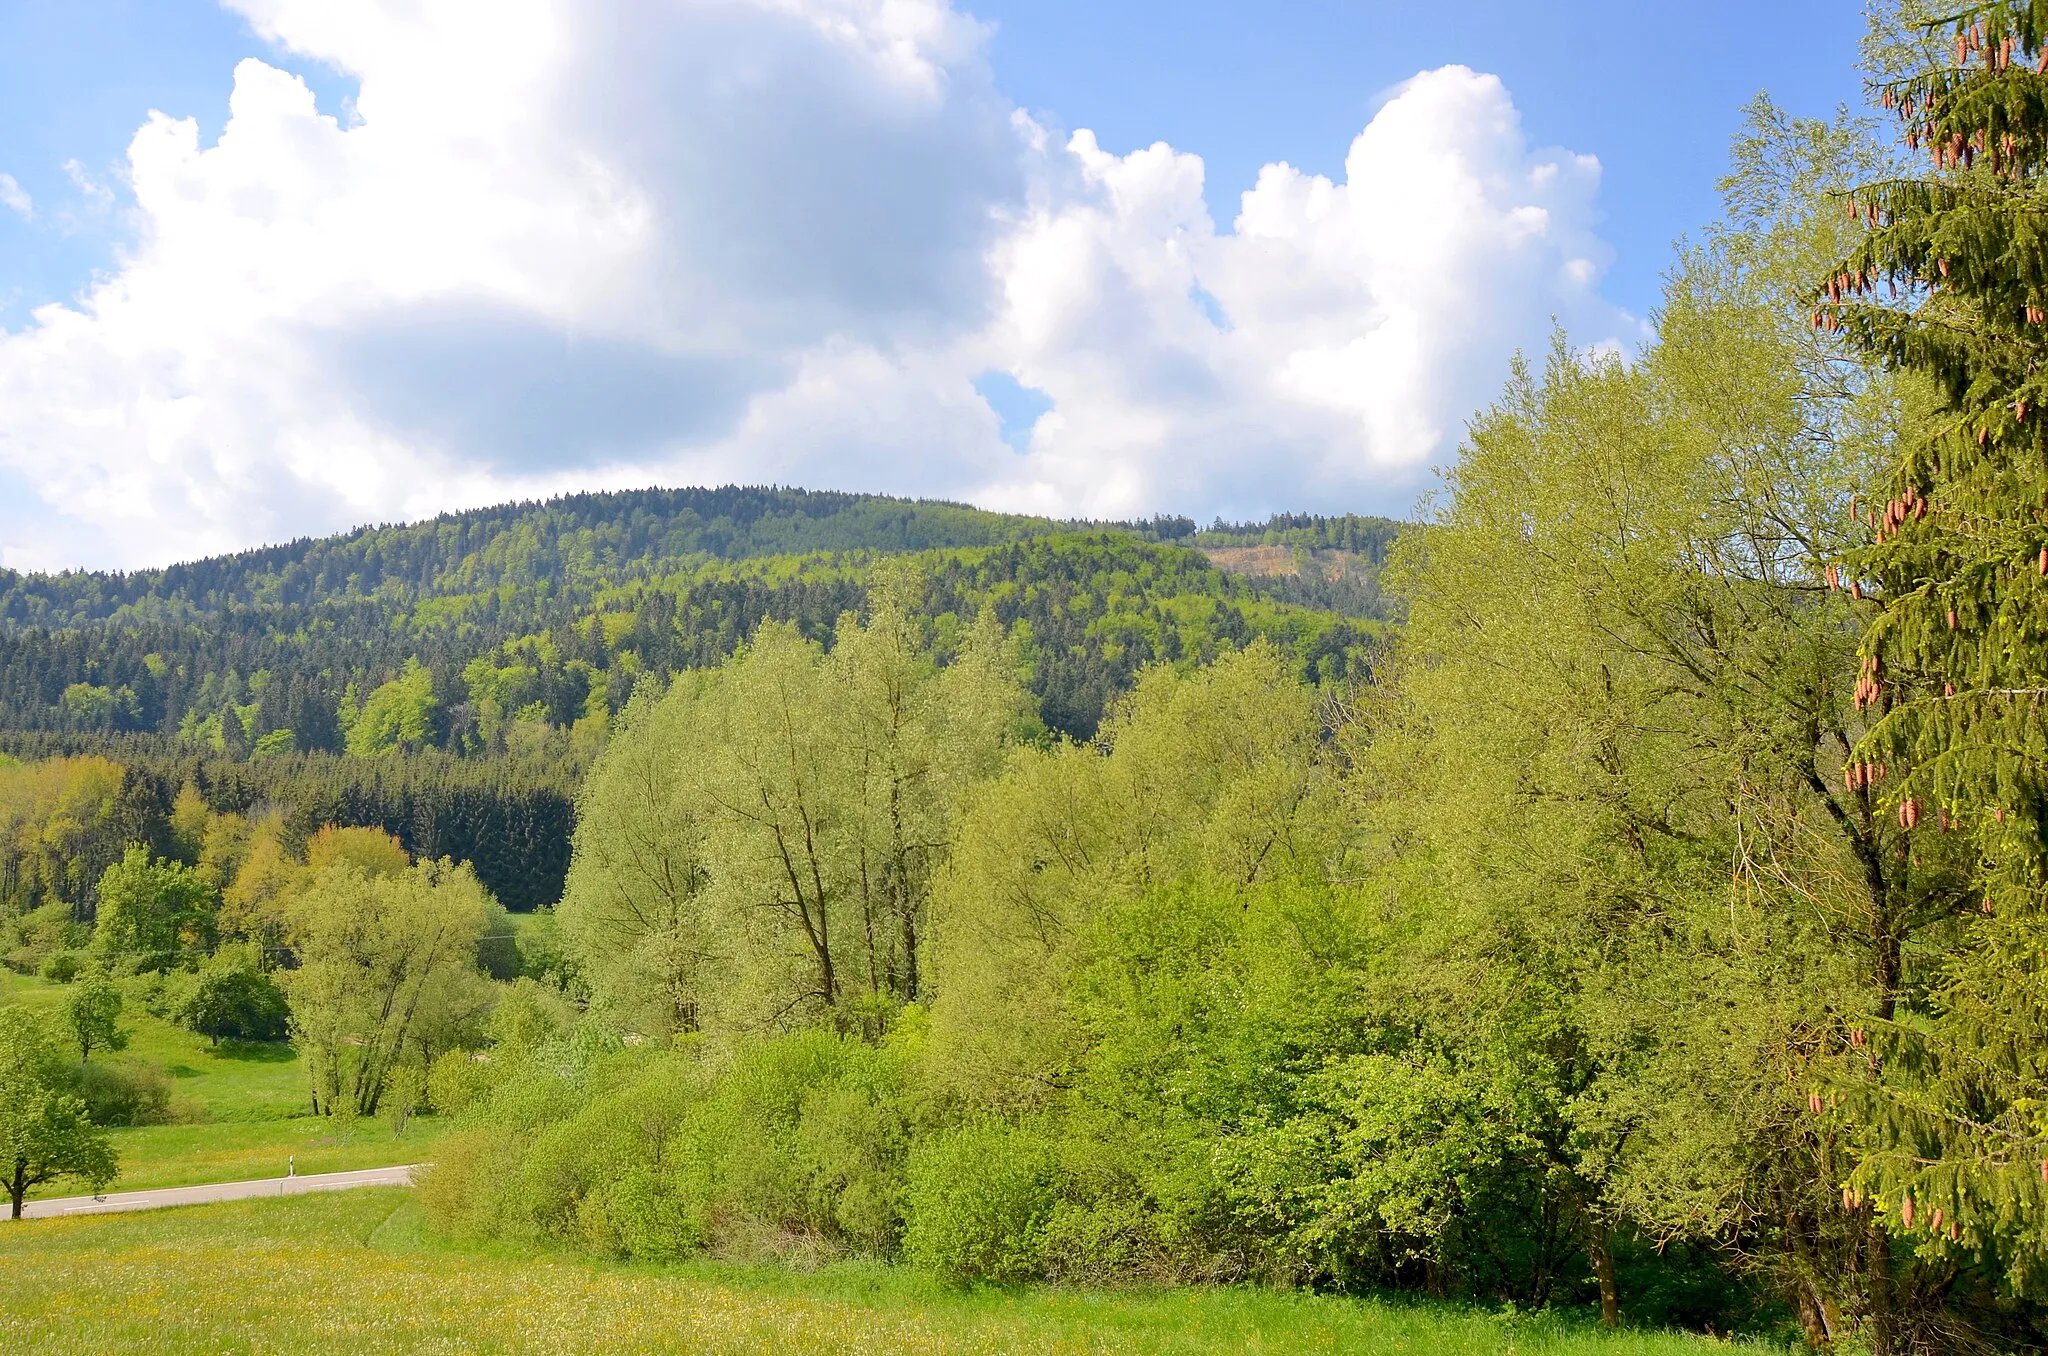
[61, 967]
[636, 1216]
[31, 938]
[116, 1094]
[234, 998]
[459, 1079]
[160, 993]
[529, 1013]
[795, 1148]
[802, 1143]
[466, 1191]
[980, 1201]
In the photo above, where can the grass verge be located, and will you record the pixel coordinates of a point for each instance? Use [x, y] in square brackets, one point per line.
[356, 1271]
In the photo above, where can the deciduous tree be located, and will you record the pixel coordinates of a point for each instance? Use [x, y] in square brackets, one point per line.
[387, 972]
[92, 1006]
[45, 1133]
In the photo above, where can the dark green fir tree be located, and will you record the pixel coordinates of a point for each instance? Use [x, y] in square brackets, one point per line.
[1947, 1098]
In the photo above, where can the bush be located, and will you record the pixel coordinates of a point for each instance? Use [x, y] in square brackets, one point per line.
[465, 1191]
[115, 1094]
[460, 1079]
[234, 998]
[980, 1200]
[529, 1013]
[162, 994]
[794, 1149]
[801, 1145]
[31, 938]
[61, 967]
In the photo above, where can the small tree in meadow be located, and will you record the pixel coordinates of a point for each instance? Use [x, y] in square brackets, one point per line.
[236, 999]
[93, 1007]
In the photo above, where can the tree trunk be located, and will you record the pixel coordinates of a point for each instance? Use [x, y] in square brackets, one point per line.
[17, 1188]
[1884, 1338]
[1600, 1248]
[910, 977]
[1810, 1320]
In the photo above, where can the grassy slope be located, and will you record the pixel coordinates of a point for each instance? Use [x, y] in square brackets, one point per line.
[356, 1272]
[237, 1106]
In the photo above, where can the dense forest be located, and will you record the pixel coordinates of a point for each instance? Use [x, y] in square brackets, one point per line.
[449, 681]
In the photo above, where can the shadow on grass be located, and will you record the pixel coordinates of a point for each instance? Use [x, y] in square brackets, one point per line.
[255, 1052]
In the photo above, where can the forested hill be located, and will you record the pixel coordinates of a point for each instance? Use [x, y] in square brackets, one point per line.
[450, 680]
[569, 544]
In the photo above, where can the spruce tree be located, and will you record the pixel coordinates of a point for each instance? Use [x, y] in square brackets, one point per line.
[1950, 285]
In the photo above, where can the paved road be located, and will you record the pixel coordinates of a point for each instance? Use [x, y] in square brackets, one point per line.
[216, 1191]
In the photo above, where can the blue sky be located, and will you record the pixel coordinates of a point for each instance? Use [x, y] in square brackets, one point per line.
[810, 261]
[1654, 90]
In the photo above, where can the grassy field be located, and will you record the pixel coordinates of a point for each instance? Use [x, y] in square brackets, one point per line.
[185, 1155]
[358, 1272]
[237, 1109]
[235, 1081]
[355, 1271]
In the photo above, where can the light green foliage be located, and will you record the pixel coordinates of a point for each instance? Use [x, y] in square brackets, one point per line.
[1609, 768]
[44, 1130]
[525, 691]
[527, 1015]
[152, 913]
[544, 953]
[796, 1148]
[189, 818]
[631, 913]
[778, 824]
[980, 1199]
[458, 1079]
[97, 707]
[396, 716]
[404, 1090]
[387, 975]
[371, 851]
[1216, 772]
[92, 1007]
[63, 822]
[276, 744]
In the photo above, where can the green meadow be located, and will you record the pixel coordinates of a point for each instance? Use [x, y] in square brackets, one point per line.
[236, 1112]
[358, 1272]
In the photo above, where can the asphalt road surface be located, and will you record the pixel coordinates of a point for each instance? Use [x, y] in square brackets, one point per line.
[215, 1191]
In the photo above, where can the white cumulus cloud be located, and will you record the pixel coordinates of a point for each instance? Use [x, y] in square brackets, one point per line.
[15, 198]
[574, 243]
[1324, 350]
